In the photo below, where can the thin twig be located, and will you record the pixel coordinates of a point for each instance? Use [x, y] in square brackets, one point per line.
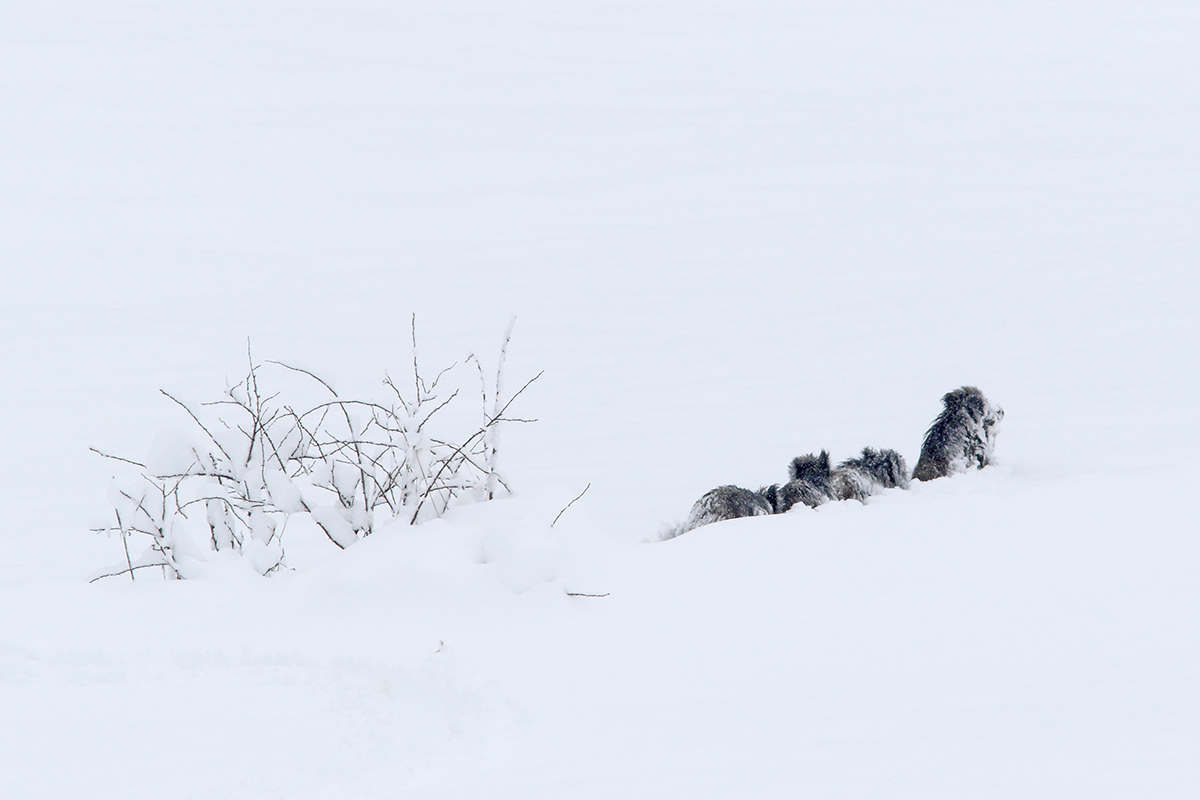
[342, 404]
[305, 372]
[439, 408]
[116, 458]
[416, 372]
[464, 445]
[197, 420]
[125, 542]
[503, 357]
[445, 464]
[528, 383]
[130, 571]
[482, 381]
[387, 381]
[438, 377]
[568, 505]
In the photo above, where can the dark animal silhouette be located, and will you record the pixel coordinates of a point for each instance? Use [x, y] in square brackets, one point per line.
[810, 484]
[870, 473]
[725, 502]
[962, 437]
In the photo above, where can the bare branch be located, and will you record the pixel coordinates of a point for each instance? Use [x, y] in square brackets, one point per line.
[305, 372]
[528, 383]
[130, 571]
[445, 465]
[197, 421]
[568, 505]
[387, 381]
[439, 408]
[117, 458]
[438, 377]
[482, 381]
[417, 382]
[343, 403]
[503, 357]
[125, 542]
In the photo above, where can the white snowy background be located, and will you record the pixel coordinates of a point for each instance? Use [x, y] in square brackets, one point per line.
[731, 233]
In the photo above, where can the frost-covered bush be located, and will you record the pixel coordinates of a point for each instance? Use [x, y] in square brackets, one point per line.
[282, 442]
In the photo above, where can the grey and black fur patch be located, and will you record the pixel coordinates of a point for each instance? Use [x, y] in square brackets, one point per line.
[870, 473]
[962, 437]
[810, 484]
[725, 502]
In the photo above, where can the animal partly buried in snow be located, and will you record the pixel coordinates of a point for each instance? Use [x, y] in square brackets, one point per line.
[870, 473]
[726, 502]
[810, 484]
[962, 437]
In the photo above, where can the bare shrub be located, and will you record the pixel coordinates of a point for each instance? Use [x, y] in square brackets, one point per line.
[259, 456]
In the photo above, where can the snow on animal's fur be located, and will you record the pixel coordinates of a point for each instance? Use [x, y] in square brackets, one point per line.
[725, 502]
[962, 437]
[810, 483]
[870, 473]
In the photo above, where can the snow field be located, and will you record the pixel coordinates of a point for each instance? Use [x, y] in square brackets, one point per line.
[730, 235]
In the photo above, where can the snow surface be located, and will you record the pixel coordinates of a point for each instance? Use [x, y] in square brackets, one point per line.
[731, 234]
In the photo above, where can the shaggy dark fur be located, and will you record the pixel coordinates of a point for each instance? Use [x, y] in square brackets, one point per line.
[810, 483]
[962, 437]
[726, 502]
[870, 473]
[810, 467]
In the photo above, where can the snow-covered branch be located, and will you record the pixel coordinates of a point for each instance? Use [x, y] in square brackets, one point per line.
[348, 464]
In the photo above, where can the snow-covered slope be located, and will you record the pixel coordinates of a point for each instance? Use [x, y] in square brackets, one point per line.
[730, 234]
